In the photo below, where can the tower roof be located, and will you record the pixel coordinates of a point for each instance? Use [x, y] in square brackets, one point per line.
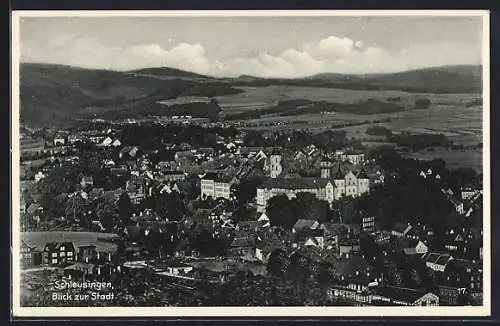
[339, 175]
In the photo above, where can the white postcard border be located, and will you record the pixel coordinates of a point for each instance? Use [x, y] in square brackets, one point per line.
[18, 311]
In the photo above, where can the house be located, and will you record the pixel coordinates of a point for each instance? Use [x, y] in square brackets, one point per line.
[436, 261]
[86, 253]
[178, 269]
[79, 270]
[469, 192]
[415, 247]
[264, 220]
[215, 186]
[243, 246]
[356, 288]
[355, 158]
[29, 256]
[452, 295]
[171, 175]
[128, 152]
[401, 229]
[107, 142]
[87, 182]
[302, 224]
[419, 232]
[333, 232]
[348, 246]
[137, 189]
[75, 138]
[59, 140]
[382, 237]
[315, 241]
[39, 176]
[464, 273]
[56, 253]
[368, 224]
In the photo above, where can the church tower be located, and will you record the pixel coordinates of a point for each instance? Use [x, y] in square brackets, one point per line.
[275, 166]
[326, 168]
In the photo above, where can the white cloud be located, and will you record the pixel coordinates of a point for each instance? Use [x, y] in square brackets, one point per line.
[331, 54]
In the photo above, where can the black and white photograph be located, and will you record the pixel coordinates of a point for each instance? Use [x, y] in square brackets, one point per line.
[259, 163]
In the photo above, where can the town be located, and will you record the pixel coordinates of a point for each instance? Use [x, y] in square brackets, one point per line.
[189, 212]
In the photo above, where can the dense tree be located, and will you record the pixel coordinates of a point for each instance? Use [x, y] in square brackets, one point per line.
[170, 206]
[125, 208]
[75, 207]
[278, 263]
[280, 212]
[247, 189]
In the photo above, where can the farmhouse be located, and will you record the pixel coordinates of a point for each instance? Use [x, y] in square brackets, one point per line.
[56, 253]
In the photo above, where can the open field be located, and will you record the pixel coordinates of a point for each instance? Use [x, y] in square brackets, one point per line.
[270, 95]
[39, 239]
[454, 158]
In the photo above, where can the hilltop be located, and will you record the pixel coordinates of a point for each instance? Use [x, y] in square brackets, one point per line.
[445, 79]
[52, 94]
[57, 94]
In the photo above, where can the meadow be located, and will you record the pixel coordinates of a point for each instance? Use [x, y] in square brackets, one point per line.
[453, 115]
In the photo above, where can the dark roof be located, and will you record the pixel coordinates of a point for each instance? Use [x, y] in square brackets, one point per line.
[303, 223]
[432, 257]
[172, 172]
[294, 183]
[349, 266]
[400, 227]
[412, 243]
[275, 151]
[339, 175]
[400, 294]
[443, 260]
[210, 175]
[335, 228]
[52, 246]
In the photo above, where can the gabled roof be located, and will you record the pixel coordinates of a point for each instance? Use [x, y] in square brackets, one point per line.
[401, 294]
[339, 175]
[303, 223]
[335, 228]
[401, 227]
[294, 183]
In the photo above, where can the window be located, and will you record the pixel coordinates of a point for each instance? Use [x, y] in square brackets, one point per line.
[62, 254]
[70, 254]
[62, 248]
[54, 254]
[54, 261]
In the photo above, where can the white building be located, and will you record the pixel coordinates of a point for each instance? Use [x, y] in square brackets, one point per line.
[215, 187]
[324, 189]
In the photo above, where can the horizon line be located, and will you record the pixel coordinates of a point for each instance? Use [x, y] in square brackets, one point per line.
[200, 75]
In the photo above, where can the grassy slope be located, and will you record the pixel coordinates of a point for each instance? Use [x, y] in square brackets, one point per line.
[52, 94]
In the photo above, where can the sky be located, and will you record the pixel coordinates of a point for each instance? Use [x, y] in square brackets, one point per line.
[270, 46]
